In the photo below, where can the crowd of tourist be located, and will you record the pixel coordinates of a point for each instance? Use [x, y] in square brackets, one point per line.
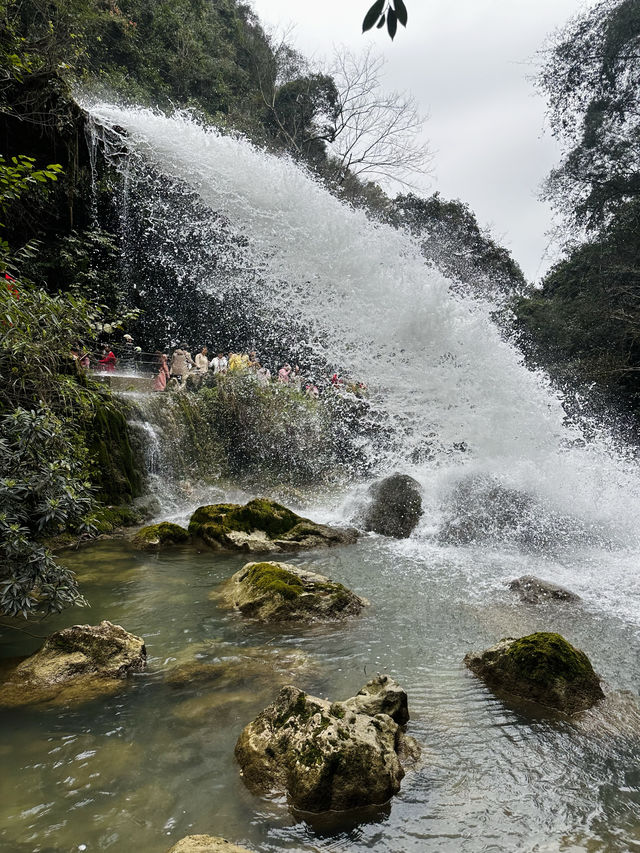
[182, 364]
[175, 369]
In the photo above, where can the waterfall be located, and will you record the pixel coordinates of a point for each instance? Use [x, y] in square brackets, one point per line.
[358, 297]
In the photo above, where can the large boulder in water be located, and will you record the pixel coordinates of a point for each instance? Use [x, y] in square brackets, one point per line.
[263, 526]
[396, 506]
[542, 668]
[206, 844]
[533, 590]
[74, 665]
[481, 508]
[326, 755]
[282, 592]
[155, 537]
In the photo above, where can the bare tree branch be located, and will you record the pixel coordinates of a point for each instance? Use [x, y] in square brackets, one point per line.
[377, 134]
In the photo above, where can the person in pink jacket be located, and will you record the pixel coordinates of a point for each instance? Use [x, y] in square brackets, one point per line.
[160, 382]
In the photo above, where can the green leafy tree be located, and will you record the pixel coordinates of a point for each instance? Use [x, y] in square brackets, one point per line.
[585, 321]
[42, 493]
[592, 82]
[450, 236]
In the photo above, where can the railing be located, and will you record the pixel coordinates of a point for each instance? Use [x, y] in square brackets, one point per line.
[141, 364]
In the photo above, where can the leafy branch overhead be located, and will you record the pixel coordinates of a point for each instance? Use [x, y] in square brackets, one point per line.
[391, 12]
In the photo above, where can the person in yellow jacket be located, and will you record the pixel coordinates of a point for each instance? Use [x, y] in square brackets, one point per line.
[239, 361]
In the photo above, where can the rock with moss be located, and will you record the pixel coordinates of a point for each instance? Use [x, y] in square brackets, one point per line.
[395, 508]
[159, 536]
[543, 668]
[282, 592]
[323, 755]
[263, 526]
[74, 665]
[206, 844]
[533, 590]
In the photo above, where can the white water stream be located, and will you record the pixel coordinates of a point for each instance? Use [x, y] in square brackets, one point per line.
[432, 359]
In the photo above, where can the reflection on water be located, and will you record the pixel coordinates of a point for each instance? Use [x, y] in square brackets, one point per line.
[139, 770]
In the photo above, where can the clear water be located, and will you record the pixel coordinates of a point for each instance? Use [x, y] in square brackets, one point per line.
[154, 763]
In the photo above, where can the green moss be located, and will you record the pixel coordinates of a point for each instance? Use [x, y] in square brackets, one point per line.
[115, 469]
[337, 710]
[271, 578]
[544, 657]
[108, 518]
[164, 533]
[311, 755]
[298, 709]
[262, 514]
[215, 520]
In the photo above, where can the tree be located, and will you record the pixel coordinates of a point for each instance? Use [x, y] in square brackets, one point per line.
[450, 236]
[585, 321]
[592, 80]
[376, 133]
[302, 114]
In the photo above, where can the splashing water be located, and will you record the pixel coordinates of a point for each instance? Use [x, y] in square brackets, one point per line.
[373, 307]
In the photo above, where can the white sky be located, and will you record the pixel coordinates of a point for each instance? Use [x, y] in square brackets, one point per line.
[469, 64]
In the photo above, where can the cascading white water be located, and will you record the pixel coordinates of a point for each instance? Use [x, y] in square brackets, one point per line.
[431, 358]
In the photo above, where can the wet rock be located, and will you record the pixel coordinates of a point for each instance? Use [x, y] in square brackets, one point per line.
[396, 506]
[533, 590]
[381, 695]
[325, 755]
[262, 526]
[206, 844]
[481, 508]
[282, 592]
[193, 382]
[542, 668]
[158, 536]
[75, 665]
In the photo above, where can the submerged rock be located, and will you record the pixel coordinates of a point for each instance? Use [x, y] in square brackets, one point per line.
[325, 755]
[481, 508]
[396, 506]
[75, 664]
[533, 590]
[542, 668]
[156, 536]
[206, 844]
[282, 592]
[262, 526]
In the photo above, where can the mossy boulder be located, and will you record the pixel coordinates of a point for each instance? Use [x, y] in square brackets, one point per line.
[75, 665]
[282, 592]
[324, 755]
[262, 526]
[395, 508]
[206, 844]
[533, 590]
[164, 535]
[542, 668]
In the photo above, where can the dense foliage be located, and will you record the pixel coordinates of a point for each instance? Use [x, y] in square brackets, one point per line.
[450, 236]
[42, 493]
[592, 82]
[584, 322]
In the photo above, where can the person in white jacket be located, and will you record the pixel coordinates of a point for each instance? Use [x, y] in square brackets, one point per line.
[202, 360]
[219, 364]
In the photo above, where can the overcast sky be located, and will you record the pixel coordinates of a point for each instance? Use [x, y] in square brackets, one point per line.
[469, 64]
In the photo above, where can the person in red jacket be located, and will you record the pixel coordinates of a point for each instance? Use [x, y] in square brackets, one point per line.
[108, 360]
